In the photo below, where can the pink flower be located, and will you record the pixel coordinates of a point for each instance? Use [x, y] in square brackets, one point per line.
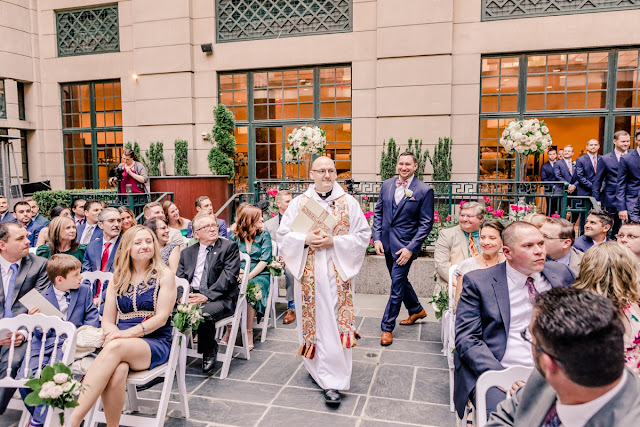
[436, 219]
[435, 212]
[555, 216]
[448, 218]
[499, 213]
[365, 197]
[489, 208]
[272, 192]
[368, 215]
[371, 241]
[487, 200]
[273, 214]
[462, 203]
[527, 208]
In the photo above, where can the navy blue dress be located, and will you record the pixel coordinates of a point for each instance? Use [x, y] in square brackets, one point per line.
[137, 304]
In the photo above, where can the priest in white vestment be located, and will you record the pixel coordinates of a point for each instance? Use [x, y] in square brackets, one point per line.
[324, 263]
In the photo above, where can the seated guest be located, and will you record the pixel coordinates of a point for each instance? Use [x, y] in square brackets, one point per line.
[256, 243]
[128, 218]
[154, 210]
[232, 228]
[170, 252]
[20, 272]
[5, 215]
[559, 235]
[598, 224]
[57, 211]
[629, 236]
[77, 207]
[203, 204]
[136, 324]
[496, 305]
[35, 212]
[22, 212]
[491, 245]
[175, 221]
[535, 219]
[458, 243]
[580, 380]
[211, 266]
[611, 270]
[74, 300]
[89, 230]
[62, 239]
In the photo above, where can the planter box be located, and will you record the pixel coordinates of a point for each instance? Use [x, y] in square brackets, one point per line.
[186, 189]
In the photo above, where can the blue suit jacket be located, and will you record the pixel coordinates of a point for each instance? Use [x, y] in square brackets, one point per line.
[605, 181]
[8, 217]
[628, 181]
[222, 229]
[41, 221]
[562, 173]
[583, 243]
[546, 172]
[585, 174]
[410, 223]
[93, 256]
[483, 317]
[96, 235]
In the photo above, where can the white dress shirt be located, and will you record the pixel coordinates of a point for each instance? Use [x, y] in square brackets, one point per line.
[86, 234]
[518, 351]
[62, 301]
[579, 415]
[5, 267]
[197, 274]
[113, 243]
[399, 194]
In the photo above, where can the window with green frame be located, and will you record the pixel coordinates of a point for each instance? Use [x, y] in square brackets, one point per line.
[269, 104]
[88, 30]
[92, 132]
[3, 103]
[579, 94]
[21, 106]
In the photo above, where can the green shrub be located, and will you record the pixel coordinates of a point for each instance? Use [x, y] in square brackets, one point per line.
[220, 164]
[180, 160]
[389, 159]
[152, 158]
[416, 149]
[135, 147]
[223, 130]
[48, 200]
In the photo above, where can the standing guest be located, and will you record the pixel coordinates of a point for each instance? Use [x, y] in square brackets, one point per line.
[35, 212]
[564, 170]
[580, 380]
[203, 204]
[495, 306]
[5, 215]
[62, 240]
[232, 228]
[323, 264]
[559, 235]
[605, 181]
[128, 218]
[402, 220]
[599, 222]
[136, 324]
[20, 272]
[133, 173]
[548, 175]
[629, 236]
[174, 219]
[256, 243]
[154, 210]
[77, 207]
[89, 230]
[211, 266]
[283, 198]
[170, 252]
[585, 173]
[57, 211]
[628, 183]
[22, 212]
[491, 244]
[455, 244]
[611, 270]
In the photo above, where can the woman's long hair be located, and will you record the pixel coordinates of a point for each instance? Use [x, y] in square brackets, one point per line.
[56, 226]
[247, 223]
[130, 153]
[165, 207]
[123, 266]
[124, 209]
[611, 270]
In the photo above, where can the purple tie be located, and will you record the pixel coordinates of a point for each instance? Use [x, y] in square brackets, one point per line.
[533, 292]
[552, 419]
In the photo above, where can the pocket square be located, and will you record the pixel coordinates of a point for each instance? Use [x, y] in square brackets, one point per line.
[412, 199]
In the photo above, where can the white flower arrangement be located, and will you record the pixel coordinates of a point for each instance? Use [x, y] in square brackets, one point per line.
[188, 317]
[305, 140]
[526, 137]
[276, 266]
[55, 387]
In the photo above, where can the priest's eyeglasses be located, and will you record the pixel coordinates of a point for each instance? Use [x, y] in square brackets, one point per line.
[526, 335]
[324, 171]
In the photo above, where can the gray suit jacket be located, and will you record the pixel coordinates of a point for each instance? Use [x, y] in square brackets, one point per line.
[451, 249]
[531, 404]
[272, 227]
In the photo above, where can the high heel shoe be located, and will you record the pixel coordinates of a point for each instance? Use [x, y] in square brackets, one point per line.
[225, 338]
[250, 338]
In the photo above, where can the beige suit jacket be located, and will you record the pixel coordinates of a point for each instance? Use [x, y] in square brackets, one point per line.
[574, 261]
[451, 249]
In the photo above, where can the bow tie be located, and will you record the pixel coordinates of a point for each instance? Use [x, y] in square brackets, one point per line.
[400, 182]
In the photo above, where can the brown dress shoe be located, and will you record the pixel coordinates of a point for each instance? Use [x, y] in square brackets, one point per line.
[289, 316]
[386, 339]
[414, 317]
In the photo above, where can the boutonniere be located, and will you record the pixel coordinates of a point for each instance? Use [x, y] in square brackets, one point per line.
[408, 194]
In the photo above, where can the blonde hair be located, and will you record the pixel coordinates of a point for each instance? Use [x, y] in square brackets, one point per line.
[56, 226]
[611, 270]
[535, 219]
[123, 265]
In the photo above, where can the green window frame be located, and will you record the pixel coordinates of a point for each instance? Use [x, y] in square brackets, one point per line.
[88, 31]
[3, 101]
[24, 135]
[21, 105]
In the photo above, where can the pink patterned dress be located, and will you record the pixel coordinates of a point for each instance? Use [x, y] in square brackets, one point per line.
[632, 339]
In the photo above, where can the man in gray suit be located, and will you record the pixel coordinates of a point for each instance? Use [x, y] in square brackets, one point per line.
[282, 200]
[576, 337]
[559, 236]
[20, 272]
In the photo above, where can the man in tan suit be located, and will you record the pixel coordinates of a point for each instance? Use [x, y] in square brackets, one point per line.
[559, 236]
[458, 243]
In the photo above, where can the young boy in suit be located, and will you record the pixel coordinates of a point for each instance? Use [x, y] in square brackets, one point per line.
[75, 302]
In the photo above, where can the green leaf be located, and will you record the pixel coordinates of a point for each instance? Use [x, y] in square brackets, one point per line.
[33, 399]
[71, 404]
[47, 374]
[34, 384]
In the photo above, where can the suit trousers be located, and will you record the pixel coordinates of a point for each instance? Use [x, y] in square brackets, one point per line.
[290, 284]
[207, 329]
[617, 222]
[401, 292]
[18, 356]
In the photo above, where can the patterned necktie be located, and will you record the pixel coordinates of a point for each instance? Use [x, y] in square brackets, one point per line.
[473, 249]
[400, 182]
[8, 298]
[205, 271]
[533, 292]
[552, 419]
[570, 166]
[105, 256]
[86, 236]
[595, 163]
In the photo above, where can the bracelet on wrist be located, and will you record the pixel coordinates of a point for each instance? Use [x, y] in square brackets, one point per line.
[144, 331]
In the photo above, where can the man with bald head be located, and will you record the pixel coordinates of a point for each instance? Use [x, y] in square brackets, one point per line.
[323, 262]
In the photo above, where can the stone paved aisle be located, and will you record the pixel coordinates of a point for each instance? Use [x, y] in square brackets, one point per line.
[404, 384]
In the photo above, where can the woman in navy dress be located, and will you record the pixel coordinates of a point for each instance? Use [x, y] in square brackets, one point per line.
[143, 296]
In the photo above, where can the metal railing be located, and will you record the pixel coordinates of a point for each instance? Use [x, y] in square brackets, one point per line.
[134, 201]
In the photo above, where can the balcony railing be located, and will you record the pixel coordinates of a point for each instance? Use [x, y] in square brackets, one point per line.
[134, 201]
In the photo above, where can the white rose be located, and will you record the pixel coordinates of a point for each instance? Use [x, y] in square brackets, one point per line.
[55, 392]
[544, 129]
[259, 295]
[519, 149]
[44, 394]
[48, 385]
[435, 307]
[516, 136]
[66, 387]
[516, 126]
[60, 378]
[538, 134]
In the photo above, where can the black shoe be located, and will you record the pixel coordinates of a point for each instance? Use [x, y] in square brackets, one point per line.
[143, 387]
[209, 360]
[332, 397]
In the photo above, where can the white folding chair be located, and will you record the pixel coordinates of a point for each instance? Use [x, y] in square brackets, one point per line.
[276, 296]
[102, 276]
[449, 333]
[28, 324]
[175, 367]
[503, 379]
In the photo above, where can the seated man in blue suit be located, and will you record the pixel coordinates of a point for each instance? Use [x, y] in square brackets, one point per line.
[203, 204]
[22, 212]
[628, 183]
[5, 215]
[35, 213]
[496, 305]
[74, 300]
[599, 222]
[101, 253]
[89, 230]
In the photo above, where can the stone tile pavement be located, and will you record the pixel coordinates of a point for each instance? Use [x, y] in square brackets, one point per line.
[404, 384]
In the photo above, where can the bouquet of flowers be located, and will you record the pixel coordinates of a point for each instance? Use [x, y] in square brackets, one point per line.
[276, 266]
[526, 137]
[188, 317]
[305, 140]
[254, 293]
[55, 387]
[440, 303]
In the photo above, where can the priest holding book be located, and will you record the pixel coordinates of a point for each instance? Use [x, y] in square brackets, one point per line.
[323, 237]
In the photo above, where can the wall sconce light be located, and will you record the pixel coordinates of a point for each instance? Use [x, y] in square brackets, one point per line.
[135, 77]
[207, 48]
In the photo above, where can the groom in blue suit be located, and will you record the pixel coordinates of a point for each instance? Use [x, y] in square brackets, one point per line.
[402, 221]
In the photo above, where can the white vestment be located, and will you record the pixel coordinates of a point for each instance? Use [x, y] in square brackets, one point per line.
[331, 365]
